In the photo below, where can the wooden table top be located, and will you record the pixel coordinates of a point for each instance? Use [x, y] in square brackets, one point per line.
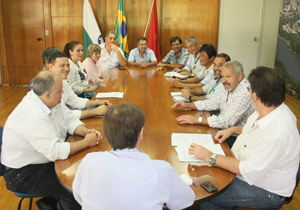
[150, 91]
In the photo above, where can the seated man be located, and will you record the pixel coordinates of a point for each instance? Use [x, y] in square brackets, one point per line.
[142, 56]
[212, 89]
[125, 178]
[205, 75]
[111, 54]
[58, 63]
[266, 150]
[34, 137]
[234, 103]
[193, 65]
[176, 58]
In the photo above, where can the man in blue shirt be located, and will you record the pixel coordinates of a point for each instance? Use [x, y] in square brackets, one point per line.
[142, 56]
[176, 58]
[113, 179]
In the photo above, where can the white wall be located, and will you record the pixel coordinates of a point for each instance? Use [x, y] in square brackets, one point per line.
[243, 20]
[269, 33]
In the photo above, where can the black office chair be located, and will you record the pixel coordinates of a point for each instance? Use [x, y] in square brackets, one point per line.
[21, 195]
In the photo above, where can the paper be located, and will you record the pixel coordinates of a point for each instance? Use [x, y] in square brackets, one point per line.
[182, 142]
[110, 95]
[175, 74]
[178, 97]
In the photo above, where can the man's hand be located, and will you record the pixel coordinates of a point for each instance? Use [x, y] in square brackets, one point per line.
[104, 102]
[160, 68]
[185, 92]
[222, 135]
[179, 104]
[161, 64]
[92, 88]
[114, 47]
[91, 139]
[200, 152]
[101, 110]
[187, 119]
[143, 65]
[177, 70]
[176, 83]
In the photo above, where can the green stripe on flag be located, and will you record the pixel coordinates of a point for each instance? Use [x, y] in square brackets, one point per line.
[86, 42]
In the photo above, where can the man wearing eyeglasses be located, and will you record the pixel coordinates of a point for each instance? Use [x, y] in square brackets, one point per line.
[176, 58]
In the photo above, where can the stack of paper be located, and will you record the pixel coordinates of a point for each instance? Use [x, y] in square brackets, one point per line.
[175, 74]
[178, 97]
[182, 142]
[110, 95]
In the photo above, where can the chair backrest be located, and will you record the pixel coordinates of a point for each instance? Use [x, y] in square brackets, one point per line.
[1, 166]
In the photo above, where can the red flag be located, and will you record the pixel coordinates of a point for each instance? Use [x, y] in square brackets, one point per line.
[153, 36]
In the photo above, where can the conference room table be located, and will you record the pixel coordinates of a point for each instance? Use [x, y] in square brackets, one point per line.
[150, 90]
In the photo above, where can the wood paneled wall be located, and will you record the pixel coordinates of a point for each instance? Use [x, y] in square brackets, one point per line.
[64, 22]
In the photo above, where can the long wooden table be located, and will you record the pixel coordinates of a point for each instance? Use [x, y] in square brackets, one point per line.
[150, 90]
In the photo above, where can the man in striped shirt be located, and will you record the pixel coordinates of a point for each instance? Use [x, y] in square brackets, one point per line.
[234, 103]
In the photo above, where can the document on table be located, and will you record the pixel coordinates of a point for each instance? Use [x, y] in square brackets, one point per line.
[110, 95]
[178, 97]
[182, 142]
[175, 74]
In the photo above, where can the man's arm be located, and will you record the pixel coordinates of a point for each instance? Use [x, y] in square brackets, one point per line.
[227, 163]
[197, 91]
[222, 135]
[131, 63]
[92, 138]
[97, 102]
[100, 110]
[153, 63]
[172, 66]
[121, 59]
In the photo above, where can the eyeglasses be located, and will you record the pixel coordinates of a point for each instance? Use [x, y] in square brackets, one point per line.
[249, 89]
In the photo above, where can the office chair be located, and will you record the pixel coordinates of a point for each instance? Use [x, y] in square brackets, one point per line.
[21, 195]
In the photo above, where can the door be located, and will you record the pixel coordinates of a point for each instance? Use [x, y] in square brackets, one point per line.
[24, 35]
[239, 32]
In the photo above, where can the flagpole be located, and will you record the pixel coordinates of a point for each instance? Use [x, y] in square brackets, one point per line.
[148, 18]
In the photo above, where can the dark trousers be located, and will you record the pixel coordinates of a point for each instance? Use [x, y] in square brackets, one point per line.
[40, 179]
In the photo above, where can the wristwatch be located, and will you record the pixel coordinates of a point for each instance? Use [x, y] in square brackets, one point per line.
[190, 96]
[212, 159]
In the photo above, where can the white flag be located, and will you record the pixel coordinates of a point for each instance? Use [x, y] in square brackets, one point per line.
[91, 31]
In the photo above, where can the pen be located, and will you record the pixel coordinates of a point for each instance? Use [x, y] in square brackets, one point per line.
[194, 184]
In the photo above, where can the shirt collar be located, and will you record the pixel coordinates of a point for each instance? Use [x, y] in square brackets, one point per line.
[146, 52]
[266, 120]
[240, 85]
[130, 153]
[43, 106]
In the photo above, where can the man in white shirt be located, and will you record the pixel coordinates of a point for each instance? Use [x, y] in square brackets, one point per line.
[125, 178]
[266, 150]
[58, 63]
[142, 56]
[111, 54]
[205, 74]
[34, 137]
[212, 89]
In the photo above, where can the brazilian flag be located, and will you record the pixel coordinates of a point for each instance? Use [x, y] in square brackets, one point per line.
[121, 29]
